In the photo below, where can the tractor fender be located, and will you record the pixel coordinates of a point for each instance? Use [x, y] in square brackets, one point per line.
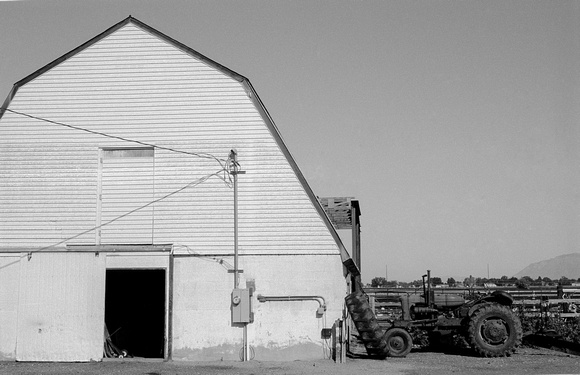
[499, 296]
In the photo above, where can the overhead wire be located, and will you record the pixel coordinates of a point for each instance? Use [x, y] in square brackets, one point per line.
[193, 183]
[227, 165]
[222, 162]
[220, 260]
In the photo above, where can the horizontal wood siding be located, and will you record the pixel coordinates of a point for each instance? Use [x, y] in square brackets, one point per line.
[126, 186]
[135, 85]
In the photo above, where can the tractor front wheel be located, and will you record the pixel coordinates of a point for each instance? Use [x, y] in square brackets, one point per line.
[494, 331]
[399, 342]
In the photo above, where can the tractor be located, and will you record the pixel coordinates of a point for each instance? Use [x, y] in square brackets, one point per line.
[487, 323]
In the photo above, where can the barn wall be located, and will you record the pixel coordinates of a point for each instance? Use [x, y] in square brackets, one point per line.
[52, 304]
[134, 85]
[280, 331]
[61, 307]
[9, 290]
[138, 260]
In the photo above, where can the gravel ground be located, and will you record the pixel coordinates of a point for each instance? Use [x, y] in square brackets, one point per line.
[527, 361]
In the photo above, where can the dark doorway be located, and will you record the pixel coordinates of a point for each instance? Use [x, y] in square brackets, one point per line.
[135, 311]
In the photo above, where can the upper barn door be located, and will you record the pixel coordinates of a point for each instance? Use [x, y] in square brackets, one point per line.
[126, 192]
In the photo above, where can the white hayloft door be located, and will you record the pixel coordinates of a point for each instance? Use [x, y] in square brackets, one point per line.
[126, 212]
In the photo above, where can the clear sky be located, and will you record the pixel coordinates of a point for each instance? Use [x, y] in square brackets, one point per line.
[454, 123]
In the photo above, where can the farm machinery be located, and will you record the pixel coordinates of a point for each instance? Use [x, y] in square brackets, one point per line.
[487, 323]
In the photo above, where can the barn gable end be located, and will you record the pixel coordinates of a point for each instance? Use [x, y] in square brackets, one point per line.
[134, 83]
[121, 146]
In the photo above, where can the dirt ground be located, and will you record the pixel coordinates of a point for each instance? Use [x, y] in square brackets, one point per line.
[527, 361]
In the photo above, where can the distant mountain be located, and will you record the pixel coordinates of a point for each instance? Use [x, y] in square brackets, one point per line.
[564, 265]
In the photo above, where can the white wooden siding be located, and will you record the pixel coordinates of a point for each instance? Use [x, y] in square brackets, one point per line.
[135, 85]
[61, 307]
[126, 185]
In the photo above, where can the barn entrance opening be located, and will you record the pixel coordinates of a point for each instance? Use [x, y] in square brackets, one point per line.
[135, 313]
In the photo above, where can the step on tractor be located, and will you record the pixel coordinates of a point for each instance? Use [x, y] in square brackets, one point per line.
[487, 323]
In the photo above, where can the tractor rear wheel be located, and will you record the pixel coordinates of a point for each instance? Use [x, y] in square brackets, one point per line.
[399, 342]
[494, 331]
[363, 317]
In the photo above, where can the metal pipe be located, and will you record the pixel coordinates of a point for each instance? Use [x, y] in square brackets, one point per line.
[424, 289]
[246, 347]
[321, 301]
[171, 271]
[234, 172]
[428, 298]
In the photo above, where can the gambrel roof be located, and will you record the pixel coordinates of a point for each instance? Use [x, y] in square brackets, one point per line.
[345, 257]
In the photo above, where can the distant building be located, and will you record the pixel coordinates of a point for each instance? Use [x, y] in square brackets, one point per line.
[118, 208]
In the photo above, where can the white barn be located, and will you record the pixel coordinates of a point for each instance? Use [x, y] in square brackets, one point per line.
[117, 207]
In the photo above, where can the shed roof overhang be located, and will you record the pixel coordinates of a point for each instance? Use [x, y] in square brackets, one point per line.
[340, 211]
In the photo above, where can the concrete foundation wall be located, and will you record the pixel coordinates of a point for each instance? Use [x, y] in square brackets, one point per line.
[201, 321]
[288, 330]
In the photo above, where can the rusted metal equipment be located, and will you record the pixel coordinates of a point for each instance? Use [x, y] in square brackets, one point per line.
[487, 323]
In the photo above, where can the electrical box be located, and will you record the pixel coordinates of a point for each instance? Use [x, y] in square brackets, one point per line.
[242, 306]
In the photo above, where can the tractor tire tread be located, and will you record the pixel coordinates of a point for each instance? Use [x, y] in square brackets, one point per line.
[370, 332]
[513, 327]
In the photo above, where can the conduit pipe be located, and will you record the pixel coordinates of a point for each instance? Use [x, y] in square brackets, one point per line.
[321, 301]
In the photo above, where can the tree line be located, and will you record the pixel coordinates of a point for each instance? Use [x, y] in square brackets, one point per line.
[522, 282]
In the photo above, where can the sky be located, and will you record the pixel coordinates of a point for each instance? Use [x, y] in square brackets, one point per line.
[454, 123]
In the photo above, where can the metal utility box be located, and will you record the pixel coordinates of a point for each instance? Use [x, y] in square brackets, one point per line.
[241, 306]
